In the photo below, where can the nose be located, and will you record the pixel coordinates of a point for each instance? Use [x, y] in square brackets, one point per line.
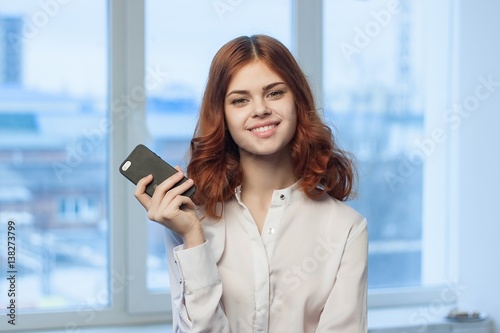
[261, 109]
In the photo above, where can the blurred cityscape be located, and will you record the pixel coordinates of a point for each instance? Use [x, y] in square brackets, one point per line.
[54, 176]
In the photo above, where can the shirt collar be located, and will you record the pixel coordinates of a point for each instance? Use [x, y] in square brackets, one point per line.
[280, 197]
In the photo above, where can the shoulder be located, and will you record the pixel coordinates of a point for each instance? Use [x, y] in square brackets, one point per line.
[342, 209]
[327, 205]
[345, 214]
[338, 214]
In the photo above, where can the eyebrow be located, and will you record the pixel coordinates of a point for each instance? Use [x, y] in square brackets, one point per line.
[246, 92]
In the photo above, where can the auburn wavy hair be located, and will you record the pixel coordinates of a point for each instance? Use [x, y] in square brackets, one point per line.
[214, 164]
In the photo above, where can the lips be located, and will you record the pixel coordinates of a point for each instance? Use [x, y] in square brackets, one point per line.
[263, 128]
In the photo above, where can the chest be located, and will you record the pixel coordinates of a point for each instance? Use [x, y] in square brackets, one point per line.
[258, 212]
[293, 262]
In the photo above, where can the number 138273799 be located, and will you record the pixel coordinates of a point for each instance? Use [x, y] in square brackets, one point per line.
[11, 245]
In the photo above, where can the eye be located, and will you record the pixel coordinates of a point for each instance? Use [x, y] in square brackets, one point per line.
[275, 94]
[239, 101]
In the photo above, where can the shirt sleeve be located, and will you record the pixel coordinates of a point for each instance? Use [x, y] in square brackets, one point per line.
[345, 309]
[195, 287]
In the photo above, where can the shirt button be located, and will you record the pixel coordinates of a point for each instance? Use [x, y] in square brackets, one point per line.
[271, 231]
[282, 196]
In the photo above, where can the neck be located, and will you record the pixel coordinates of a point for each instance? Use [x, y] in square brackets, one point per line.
[261, 176]
[264, 174]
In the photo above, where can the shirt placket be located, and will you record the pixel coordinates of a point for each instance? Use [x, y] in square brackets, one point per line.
[271, 228]
[261, 271]
[262, 249]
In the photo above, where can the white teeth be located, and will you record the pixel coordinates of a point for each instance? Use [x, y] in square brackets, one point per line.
[263, 128]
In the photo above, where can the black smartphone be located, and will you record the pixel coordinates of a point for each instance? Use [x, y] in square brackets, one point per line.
[142, 162]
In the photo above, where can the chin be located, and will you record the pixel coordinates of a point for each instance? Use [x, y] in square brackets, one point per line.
[266, 152]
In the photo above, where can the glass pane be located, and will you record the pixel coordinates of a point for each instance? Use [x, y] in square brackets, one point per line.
[185, 58]
[373, 58]
[53, 153]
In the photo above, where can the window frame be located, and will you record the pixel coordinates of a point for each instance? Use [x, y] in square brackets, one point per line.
[130, 300]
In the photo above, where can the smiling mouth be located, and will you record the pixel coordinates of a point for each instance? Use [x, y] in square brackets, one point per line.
[263, 128]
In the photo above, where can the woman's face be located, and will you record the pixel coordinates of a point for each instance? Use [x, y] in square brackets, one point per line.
[260, 111]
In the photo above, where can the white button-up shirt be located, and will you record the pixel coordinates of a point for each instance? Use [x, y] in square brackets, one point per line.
[306, 271]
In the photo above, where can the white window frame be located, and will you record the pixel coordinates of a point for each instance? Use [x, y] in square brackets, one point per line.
[128, 229]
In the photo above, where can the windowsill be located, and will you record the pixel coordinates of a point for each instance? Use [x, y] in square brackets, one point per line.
[157, 328]
[429, 318]
[411, 319]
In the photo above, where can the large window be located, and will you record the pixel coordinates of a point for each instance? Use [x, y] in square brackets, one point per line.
[373, 93]
[81, 83]
[53, 153]
[384, 94]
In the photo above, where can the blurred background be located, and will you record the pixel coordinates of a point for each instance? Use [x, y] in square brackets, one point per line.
[409, 87]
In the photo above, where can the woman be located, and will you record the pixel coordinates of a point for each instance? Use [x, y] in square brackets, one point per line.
[265, 245]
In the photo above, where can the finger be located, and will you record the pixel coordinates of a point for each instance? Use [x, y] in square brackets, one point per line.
[162, 189]
[181, 188]
[175, 209]
[175, 192]
[169, 183]
[140, 191]
[172, 203]
[168, 189]
[188, 203]
[172, 194]
[166, 192]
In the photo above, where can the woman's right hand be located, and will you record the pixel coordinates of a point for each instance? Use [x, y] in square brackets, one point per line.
[171, 209]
